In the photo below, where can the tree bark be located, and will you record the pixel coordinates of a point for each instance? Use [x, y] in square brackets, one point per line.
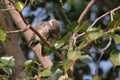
[11, 45]
[18, 20]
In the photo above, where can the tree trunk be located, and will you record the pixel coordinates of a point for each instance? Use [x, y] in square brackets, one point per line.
[11, 45]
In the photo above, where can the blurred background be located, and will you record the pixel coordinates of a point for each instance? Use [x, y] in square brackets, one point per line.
[66, 12]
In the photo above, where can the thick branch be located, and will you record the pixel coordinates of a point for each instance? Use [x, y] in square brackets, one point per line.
[27, 27]
[11, 45]
[18, 20]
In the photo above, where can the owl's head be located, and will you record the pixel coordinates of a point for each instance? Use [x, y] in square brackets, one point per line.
[55, 28]
[54, 24]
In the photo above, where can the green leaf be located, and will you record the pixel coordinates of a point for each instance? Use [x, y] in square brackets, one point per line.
[116, 22]
[115, 57]
[72, 26]
[29, 66]
[2, 35]
[82, 27]
[8, 61]
[117, 16]
[45, 73]
[94, 33]
[28, 62]
[58, 45]
[73, 54]
[2, 65]
[113, 24]
[116, 37]
[55, 67]
[51, 50]
[19, 6]
[85, 59]
[83, 42]
[7, 70]
[56, 75]
[66, 64]
[64, 39]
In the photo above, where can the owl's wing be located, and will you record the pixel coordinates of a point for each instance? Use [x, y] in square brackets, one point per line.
[43, 26]
[32, 41]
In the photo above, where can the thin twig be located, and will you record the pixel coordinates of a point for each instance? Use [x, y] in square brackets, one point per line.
[104, 34]
[26, 2]
[86, 10]
[17, 31]
[59, 16]
[115, 9]
[103, 50]
[72, 41]
[6, 9]
[80, 35]
[97, 20]
[111, 15]
[63, 10]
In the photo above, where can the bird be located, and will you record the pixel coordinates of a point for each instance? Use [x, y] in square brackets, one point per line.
[49, 30]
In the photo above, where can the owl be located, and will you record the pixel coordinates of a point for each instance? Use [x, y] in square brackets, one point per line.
[49, 30]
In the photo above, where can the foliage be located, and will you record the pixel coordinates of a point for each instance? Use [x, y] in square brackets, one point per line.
[87, 48]
[6, 65]
[2, 35]
[19, 6]
[114, 57]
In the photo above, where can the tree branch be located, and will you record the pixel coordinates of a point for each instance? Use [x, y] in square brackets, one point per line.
[46, 62]
[86, 10]
[111, 15]
[80, 19]
[74, 35]
[103, 50]
[11, 45]
[63, 10]
[17, 31]
[110, 12]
